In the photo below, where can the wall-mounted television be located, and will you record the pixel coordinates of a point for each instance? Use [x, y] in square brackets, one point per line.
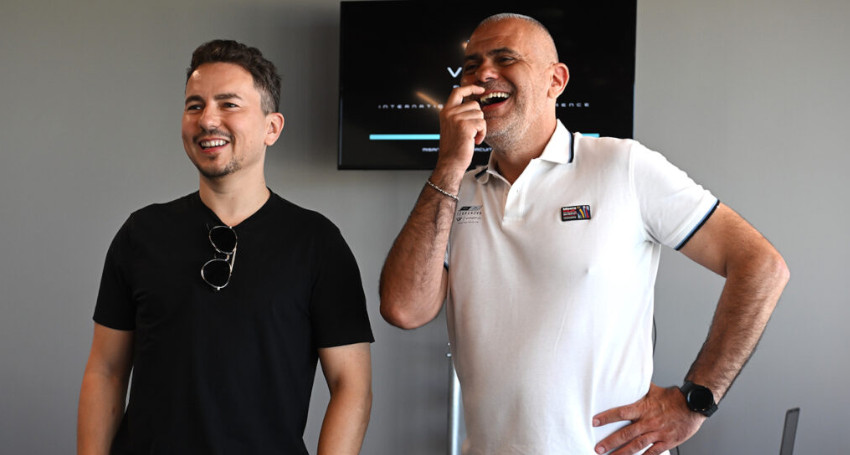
[399, 60]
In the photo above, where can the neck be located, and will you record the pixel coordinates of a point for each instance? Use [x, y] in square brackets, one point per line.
[512, 158]
[234, 199]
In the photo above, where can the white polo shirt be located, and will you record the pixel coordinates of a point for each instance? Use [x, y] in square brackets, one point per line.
[551, 279]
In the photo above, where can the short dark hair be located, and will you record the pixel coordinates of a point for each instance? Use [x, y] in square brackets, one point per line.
[264, 73]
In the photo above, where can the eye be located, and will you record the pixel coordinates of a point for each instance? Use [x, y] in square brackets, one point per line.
[193, 107]
[506, 60]
[469, 67]
[228, 105]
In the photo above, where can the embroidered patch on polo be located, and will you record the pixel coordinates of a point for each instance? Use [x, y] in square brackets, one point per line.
[575, 212]
[468, 214]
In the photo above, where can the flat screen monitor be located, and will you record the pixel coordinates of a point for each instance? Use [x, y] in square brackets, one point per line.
[399, 60]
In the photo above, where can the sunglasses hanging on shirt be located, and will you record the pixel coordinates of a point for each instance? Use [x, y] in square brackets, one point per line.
[217, 271]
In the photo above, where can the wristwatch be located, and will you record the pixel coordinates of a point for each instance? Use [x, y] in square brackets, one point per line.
[699, 398]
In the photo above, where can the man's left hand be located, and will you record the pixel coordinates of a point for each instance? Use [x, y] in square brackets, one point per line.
[661, 420]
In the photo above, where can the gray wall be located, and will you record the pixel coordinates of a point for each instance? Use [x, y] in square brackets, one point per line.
[749, 96]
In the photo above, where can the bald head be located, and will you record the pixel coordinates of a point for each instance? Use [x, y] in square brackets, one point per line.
[537, 31]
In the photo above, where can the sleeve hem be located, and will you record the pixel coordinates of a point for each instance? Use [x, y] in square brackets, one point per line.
[698, 226]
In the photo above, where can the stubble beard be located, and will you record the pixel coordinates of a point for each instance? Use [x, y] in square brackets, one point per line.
[231, 167]
[504, 133]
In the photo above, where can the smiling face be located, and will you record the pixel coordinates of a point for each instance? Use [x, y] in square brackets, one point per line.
[515, 61]
[224, 128]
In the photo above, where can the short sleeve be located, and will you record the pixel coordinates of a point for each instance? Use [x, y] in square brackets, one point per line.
[673, 207]
[115, 308]
[338, 304]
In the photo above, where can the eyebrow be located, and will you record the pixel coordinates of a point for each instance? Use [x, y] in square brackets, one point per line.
[219, 97]
[492, 52]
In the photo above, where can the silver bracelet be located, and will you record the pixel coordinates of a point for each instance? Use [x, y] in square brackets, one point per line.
[442, 191]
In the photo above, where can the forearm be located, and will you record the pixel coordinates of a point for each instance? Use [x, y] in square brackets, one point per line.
[413, 281]
[413, 284]
[748, 299]
[99, 414]
[345, 422]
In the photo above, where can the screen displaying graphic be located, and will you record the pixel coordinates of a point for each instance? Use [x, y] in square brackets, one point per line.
[399, 60]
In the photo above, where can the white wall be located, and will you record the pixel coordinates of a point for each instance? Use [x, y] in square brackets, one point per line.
[748, 96]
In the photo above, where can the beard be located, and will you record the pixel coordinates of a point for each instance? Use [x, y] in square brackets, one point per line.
[213, 174]
[507, 132]
[503, 133]
[232, 166]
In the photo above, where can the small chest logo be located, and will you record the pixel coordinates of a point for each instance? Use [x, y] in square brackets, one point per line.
[468, 214]
[575, 212]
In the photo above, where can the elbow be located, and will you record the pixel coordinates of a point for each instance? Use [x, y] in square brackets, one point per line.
[780, 273]
[401, 312]
[773, 266]
[763, 264]
[406, 308]
[780, 270]
[395, 314]
[775, 273]
[392, 307]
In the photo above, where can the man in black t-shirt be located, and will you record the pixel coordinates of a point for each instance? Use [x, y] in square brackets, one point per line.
[223, 353]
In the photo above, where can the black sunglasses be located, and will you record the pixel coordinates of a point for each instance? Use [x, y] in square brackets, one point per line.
[217, 271]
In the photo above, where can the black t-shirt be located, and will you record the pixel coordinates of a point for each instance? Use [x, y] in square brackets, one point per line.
[229, 371]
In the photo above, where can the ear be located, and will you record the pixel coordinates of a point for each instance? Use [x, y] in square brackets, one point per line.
[560, 77]
[274, 126]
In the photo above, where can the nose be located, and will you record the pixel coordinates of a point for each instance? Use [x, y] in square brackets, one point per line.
[487, 71]
[209, 119]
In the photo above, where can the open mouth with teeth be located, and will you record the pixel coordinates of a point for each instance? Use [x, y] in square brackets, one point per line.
[212, 143]
[492, 98]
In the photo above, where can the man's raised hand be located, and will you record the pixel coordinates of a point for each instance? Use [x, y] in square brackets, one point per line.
[462, 127]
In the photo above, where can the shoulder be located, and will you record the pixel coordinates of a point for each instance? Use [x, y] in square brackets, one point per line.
[610, 151]
[170, 209]
[284, 207]
[603, 154]
[159, 220]
[304, 221]
[149, 225]
[603, 145]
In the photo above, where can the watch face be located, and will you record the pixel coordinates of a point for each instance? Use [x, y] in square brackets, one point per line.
[700, 398]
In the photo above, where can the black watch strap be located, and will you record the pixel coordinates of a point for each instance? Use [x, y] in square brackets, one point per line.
[699, 398]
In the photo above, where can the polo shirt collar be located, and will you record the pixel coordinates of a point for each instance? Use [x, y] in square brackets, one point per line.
[558, 150]
[560, 147]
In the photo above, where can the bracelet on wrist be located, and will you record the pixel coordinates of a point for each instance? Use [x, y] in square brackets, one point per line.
[440, 190]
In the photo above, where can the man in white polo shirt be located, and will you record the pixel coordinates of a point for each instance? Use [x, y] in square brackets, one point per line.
[547, 260]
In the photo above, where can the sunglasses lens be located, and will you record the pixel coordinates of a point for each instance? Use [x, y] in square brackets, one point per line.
[216, 272]
[223, 239]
